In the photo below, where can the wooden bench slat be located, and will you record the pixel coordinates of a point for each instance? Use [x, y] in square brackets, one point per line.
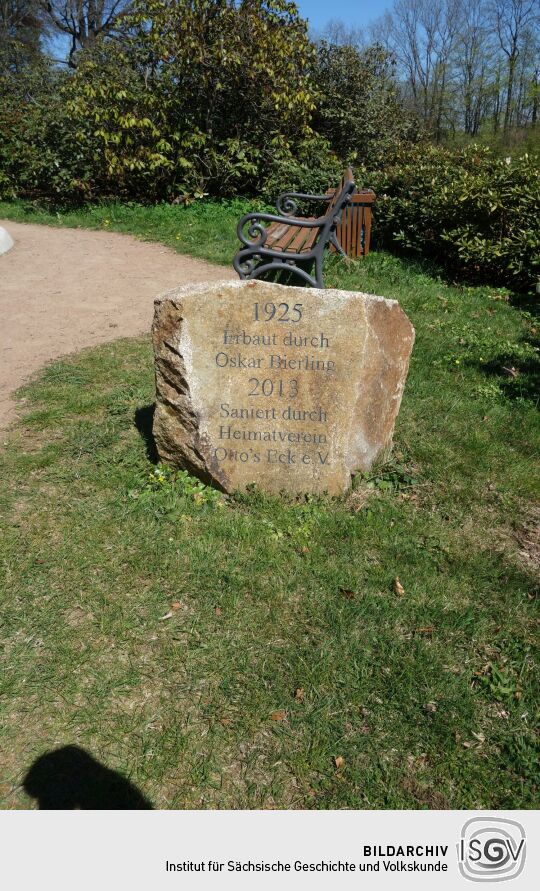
[295, 246]
[310, 239]
[303, 240]
[279, 236]
[295, 239]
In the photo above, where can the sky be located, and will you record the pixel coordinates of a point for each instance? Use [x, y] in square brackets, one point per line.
[354, 13]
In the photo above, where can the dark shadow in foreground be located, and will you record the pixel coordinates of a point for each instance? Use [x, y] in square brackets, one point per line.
[70, 779]
[144, 420]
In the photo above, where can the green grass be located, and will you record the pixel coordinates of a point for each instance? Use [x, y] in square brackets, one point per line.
[429, 697]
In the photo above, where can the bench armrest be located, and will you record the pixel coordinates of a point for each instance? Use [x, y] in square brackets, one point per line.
[287, 203]
[257, 232]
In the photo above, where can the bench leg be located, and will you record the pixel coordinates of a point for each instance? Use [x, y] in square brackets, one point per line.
[334, 241]
[319, 272]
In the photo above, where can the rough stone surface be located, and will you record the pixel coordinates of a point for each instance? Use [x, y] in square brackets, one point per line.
[6, 241]
[289, 388]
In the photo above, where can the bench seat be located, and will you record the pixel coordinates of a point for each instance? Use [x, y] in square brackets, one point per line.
[284, 237]
[290, 243]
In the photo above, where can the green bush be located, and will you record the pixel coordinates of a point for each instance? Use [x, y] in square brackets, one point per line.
[310, 166]
[42, 151]
[195, 98]
[228, 98]
[206, 98]
[475, 213]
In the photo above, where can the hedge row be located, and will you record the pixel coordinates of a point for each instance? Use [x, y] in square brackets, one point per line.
[474, 213]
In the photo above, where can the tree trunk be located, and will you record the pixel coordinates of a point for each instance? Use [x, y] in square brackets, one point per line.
[509, 91]
[440, 107]
[497, 109]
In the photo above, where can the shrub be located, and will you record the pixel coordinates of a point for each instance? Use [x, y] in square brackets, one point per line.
[207, 97]
[477, 214]
[196, 97]
[40, 154]
[310, 166]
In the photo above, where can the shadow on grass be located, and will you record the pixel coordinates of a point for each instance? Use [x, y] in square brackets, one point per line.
[527, 302]
[518, 376]
[455, 275]
[70, 779]
[144, 419]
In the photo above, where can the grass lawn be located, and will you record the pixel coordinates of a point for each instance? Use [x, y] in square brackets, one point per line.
[286, 645]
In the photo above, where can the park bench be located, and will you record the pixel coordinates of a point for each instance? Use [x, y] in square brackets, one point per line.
[289, 243]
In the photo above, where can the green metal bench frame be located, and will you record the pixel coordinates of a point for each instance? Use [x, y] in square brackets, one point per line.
[258, 256]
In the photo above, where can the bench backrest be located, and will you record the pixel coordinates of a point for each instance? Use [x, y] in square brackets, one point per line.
[354, 231]
[340, 198]
[346, 180]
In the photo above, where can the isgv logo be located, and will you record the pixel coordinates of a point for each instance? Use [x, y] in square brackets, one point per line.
[491, 849]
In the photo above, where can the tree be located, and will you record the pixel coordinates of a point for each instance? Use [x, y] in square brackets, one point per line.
[422, 35]
[83, 21]
[21, 32]
[534, 86]
[338, 33]
[464, 63]
[473, 42]
[512, 18]
[358, 109]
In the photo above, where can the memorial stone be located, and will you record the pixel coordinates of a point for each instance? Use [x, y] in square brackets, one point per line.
[289, 388]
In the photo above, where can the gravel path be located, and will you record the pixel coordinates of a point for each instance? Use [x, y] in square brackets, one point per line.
[65, 289]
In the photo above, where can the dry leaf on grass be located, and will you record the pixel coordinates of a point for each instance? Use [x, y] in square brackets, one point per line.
[217, 610]
[350, 595]
[427, 629]
[398, 587]
[510, 371]
[280, 715]
[175, 606]
[339, 762]
[299, 694]
[470, 744]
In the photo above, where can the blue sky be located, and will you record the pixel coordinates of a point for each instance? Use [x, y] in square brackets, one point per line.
[353, 12]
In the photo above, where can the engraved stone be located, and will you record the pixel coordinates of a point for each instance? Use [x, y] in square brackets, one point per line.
[289, 388]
